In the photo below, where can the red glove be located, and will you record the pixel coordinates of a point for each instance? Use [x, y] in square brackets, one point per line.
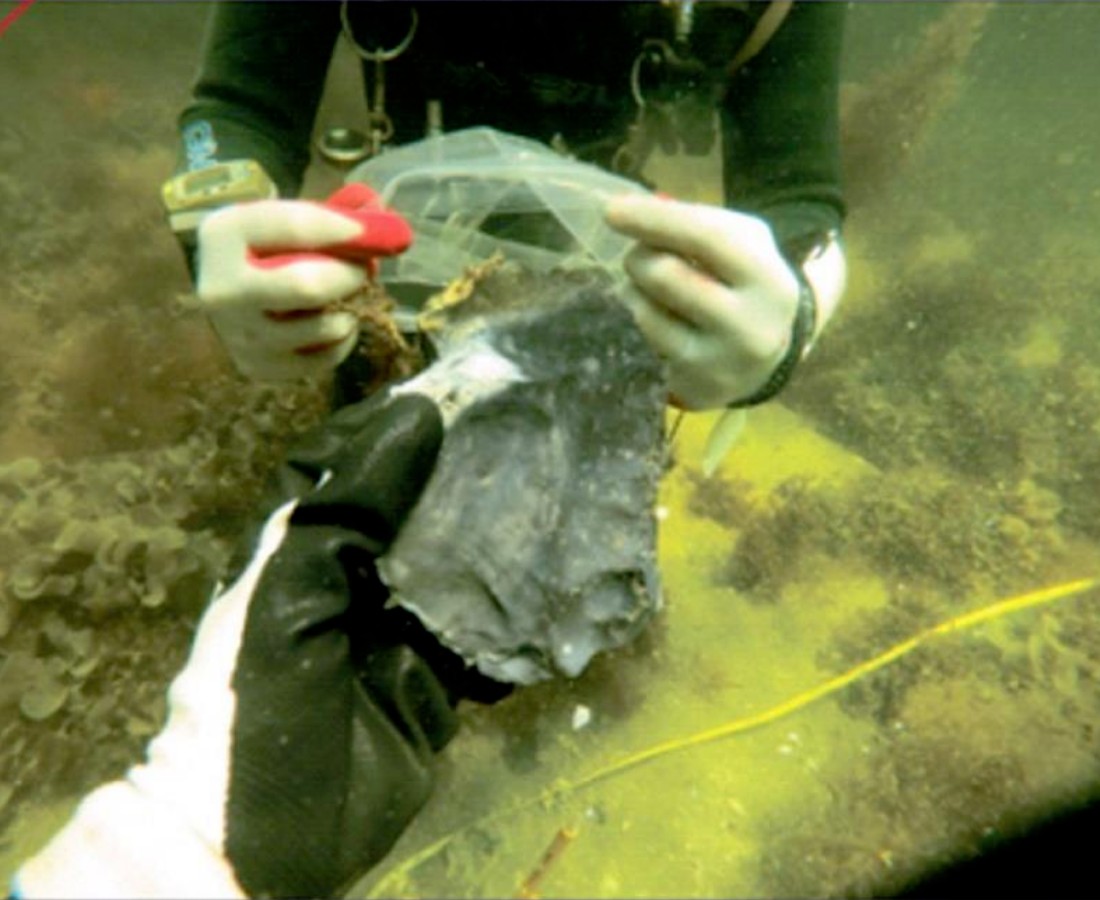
[271, 273]
[384, 232]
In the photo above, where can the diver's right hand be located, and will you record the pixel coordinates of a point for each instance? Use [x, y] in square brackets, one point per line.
[277, 321]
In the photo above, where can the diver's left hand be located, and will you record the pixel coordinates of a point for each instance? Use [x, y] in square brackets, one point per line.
[715, 297]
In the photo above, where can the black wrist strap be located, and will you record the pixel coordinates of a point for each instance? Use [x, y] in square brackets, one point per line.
[802, 332]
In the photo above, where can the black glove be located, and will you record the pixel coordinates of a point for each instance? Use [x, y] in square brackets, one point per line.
[337, 718]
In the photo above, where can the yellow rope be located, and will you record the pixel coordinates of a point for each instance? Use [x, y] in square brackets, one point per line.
[957, 623]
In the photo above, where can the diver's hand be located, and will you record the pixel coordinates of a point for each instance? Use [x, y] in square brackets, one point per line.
[300, 733]
[715, 297]
[276, 321]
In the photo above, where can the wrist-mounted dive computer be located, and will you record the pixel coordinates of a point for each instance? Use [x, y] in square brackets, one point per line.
[190, 196]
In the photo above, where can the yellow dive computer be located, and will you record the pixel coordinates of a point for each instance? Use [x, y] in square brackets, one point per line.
[191, 196]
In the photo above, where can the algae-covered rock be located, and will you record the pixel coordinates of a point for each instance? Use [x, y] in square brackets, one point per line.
[533, 546]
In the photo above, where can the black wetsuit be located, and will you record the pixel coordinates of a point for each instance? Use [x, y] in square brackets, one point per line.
[539, 69]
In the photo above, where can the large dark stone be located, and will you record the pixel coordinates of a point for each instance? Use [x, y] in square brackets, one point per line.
[533, 546]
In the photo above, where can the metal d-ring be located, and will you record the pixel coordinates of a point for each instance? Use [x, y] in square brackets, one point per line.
[652, 49]
[384, 54]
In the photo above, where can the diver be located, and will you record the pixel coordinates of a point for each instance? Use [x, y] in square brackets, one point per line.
[299, 737]
[732, 297]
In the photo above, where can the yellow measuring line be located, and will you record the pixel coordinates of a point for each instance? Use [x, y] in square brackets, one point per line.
[957, 623]
[960, 622]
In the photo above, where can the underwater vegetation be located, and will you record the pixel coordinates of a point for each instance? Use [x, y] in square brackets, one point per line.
[106, 562]
[957, 392]
[130, 455]
[963, 369]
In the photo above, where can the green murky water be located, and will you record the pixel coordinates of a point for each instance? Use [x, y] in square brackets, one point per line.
[939, 453]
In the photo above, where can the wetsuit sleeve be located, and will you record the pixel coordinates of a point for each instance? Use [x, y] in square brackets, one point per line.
[782, 128]
[259, 84]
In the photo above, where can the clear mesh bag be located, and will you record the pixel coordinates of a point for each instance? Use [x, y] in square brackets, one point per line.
[469, 194]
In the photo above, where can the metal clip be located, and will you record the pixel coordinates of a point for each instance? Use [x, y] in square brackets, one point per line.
[675, 109]
[379, 124]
